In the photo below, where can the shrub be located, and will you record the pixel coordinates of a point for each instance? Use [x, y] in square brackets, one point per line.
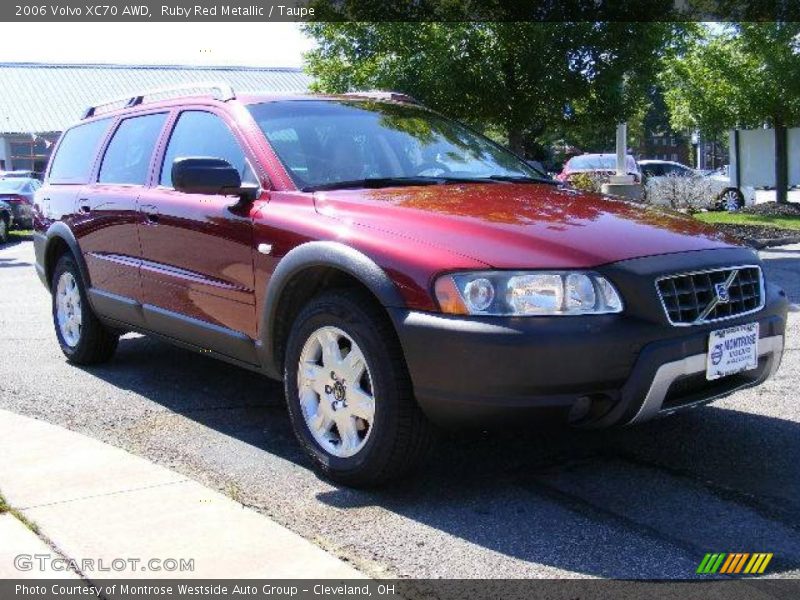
[588, 182]
[681, 193]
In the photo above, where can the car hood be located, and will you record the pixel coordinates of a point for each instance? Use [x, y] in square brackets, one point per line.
[513, 226]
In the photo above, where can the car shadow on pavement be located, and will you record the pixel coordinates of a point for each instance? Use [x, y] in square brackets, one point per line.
[598, 503]
[645, 502]
[785, 271]
[13, 262]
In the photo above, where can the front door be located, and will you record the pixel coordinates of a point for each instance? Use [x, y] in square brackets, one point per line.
[197, 257]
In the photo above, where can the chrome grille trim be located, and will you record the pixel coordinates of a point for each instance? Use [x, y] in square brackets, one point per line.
[700, 307]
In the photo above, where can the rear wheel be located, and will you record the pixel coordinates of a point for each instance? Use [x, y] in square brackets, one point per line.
[349, 393]
[84, 340]
[731, 200]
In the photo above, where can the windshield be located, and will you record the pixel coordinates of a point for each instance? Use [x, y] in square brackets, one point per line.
[12, 185]
[325, 142]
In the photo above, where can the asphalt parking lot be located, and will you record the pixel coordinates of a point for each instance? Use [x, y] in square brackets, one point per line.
[644, 502]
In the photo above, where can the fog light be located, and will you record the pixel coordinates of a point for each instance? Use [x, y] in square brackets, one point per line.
[580, 409]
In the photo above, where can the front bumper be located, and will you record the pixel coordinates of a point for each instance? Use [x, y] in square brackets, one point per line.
[627, 367]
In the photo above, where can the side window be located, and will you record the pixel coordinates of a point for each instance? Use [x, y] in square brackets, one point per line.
[74, 159]
[203, 134]
[676, 171]
[286, 144]
[128, 154]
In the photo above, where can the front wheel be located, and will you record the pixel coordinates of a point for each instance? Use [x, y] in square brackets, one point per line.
[349, 394]
[84, 340]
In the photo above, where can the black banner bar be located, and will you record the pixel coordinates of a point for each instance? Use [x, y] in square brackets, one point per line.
[397, 10]
[408, 589]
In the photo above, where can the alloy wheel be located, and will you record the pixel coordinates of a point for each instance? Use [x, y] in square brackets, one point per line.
[68, 309]
[730, 201]
[336, 392]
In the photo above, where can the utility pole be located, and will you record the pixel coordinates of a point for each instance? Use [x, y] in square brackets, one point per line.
[622, 149]
[697, 143]
[621, 183]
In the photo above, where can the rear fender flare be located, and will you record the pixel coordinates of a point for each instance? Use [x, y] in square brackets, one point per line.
[60, 231]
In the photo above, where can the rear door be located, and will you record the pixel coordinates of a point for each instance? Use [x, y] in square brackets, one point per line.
[109, 210]
[197, 250]
[71, 168]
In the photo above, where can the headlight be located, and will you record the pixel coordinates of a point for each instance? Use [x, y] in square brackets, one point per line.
[507, 293]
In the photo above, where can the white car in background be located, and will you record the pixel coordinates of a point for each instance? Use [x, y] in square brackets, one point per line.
[729, 197]
[708, 190]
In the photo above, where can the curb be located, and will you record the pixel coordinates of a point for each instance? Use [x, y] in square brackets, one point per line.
[96, 503]
[760, 243]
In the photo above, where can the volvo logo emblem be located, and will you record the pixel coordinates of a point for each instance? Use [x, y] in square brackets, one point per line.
[721, 296]
[722, 292]
[338, 389]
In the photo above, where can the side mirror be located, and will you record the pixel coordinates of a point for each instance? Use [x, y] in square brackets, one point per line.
[210, 176]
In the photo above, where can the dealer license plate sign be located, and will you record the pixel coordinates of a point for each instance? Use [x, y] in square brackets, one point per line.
[732, 350]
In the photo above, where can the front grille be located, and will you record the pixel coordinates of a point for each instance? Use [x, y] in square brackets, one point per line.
[693, 298]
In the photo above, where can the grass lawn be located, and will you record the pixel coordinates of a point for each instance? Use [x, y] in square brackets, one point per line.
[735, 218]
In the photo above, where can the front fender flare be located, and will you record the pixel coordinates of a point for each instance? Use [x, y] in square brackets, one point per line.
[318, 254]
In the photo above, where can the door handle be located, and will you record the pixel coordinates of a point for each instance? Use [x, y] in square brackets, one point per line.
[84, 207]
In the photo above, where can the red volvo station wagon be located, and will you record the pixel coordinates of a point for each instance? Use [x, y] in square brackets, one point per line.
[392, 267]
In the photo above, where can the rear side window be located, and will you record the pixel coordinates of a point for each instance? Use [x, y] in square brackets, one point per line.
[203, 134]
[127, 157]
[76, 153]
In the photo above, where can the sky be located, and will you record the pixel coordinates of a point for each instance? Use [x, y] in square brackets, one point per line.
[250, 44]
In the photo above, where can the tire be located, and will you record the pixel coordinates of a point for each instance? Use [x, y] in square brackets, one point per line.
[83, 339]
[730, 200]
[3, 229]
[372, 452]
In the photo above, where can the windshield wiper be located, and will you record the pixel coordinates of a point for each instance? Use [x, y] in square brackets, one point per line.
[522, 179]
[373, 182]
[382, 182]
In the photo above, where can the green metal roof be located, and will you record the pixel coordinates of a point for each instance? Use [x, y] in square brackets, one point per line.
[37, 97]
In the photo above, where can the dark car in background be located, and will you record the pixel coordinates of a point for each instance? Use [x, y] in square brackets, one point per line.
[6, 221]
[21, 173]
[18, 192]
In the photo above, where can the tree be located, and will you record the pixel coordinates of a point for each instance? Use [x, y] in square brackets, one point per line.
[746, 75]
[521, 78]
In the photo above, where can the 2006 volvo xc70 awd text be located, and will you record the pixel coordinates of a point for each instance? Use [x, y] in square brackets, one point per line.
[392, 267]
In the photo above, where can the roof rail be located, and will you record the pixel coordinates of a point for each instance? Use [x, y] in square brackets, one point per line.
[383, 95]
[220, 91]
